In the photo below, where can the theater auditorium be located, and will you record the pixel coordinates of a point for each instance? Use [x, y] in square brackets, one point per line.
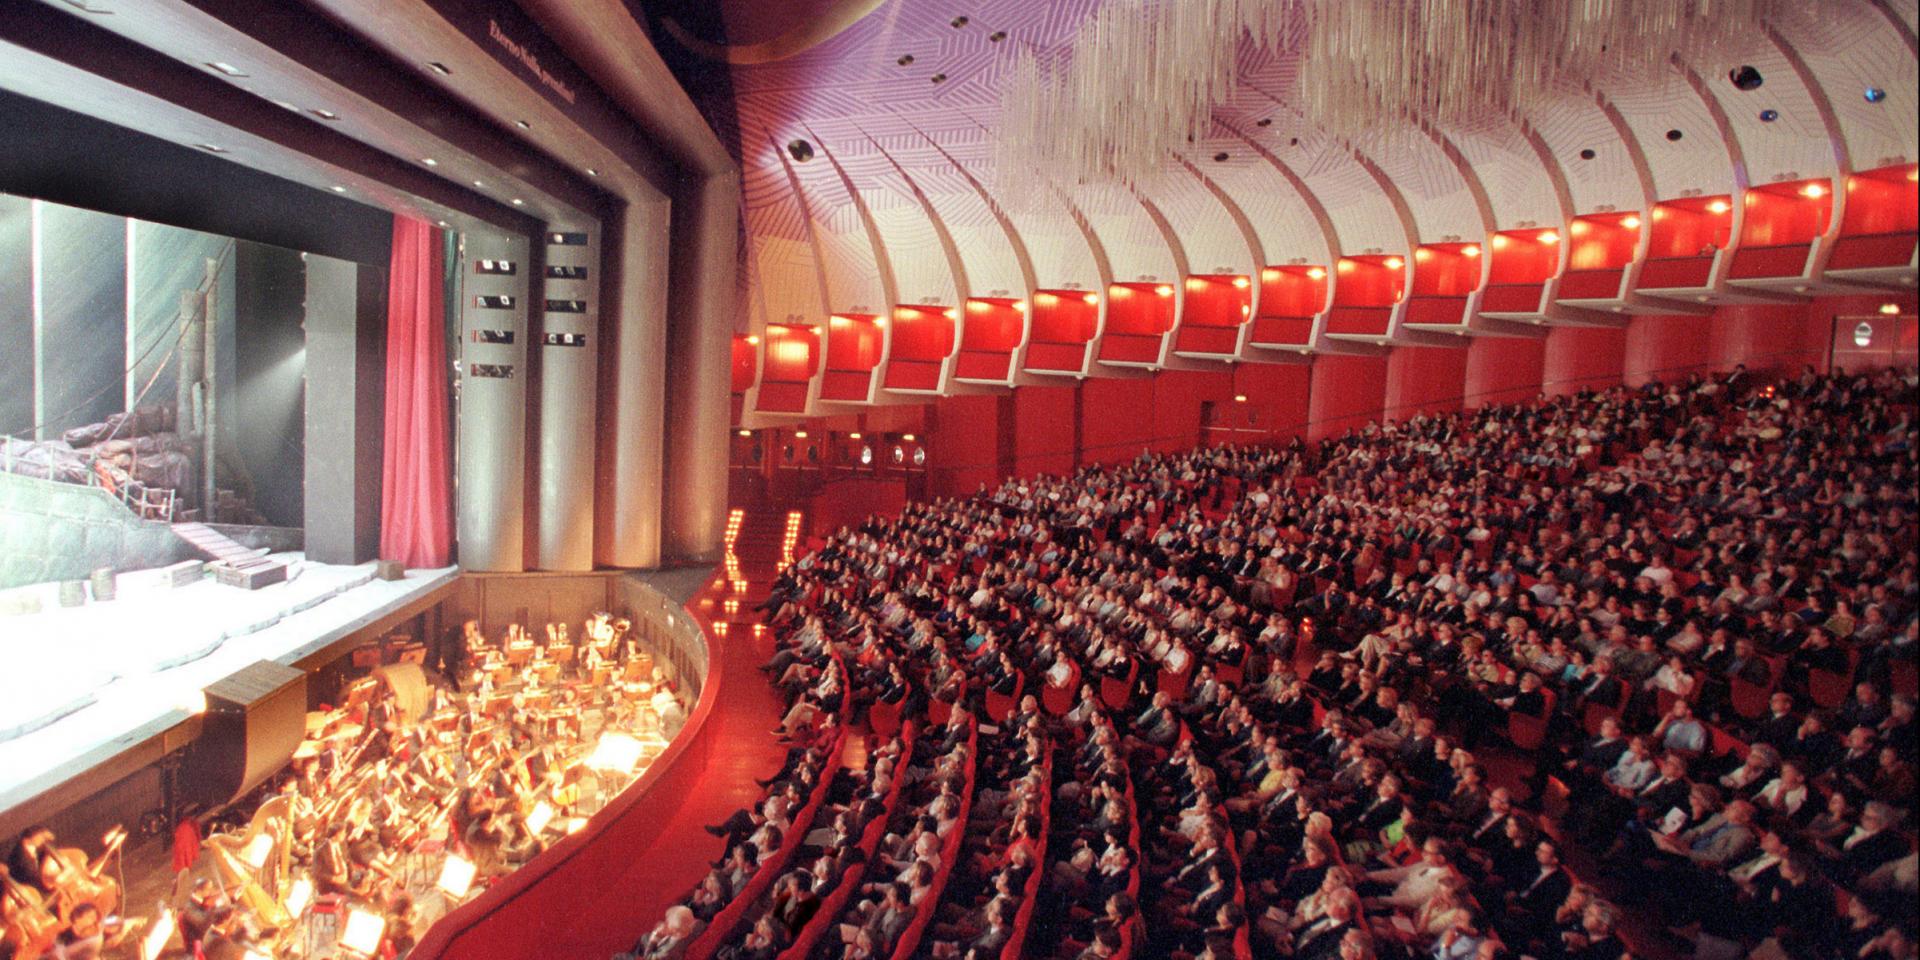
[959, 479]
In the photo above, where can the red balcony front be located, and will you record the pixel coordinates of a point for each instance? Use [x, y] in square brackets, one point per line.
[1369, 288]
[1777, 233]
[1600, 248]
[923, 338]
[1687, 236]
[1063, 325]
[1139, 317]
[1215, 308]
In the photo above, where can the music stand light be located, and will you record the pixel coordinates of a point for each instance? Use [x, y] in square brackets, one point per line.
[456, 876]
[363, 932]
[299, 896]
[541, 816]
[615, 753]
[257, 851]
[158, 936]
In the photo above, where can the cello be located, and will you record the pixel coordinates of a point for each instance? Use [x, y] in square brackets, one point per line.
[81, 882]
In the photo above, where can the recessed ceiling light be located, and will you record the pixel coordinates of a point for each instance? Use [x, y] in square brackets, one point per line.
[1263, 122]
[522, 124]
[905, 59]
[939, 78]
[211, 148]
[997, 36]
[1874, 94]
[326, 114]
[339, 189]
[429, 161]
[518, 202]
[441, 69]
[226, 68]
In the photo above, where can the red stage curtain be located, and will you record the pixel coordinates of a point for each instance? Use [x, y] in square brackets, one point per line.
[416, 515]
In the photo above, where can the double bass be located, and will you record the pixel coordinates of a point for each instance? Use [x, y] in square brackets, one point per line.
[80, 881]
[26, 925]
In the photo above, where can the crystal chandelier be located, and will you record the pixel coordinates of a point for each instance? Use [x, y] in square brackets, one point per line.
[1142, 78]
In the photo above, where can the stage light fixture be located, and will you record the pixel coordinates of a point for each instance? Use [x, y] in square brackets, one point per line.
[363, 932]
[1674, 135]
[1222, 157]
[1874, 94]
[1588, 154]
[996, 36]
[1769, 115]
[1745, 77]
[800, 150]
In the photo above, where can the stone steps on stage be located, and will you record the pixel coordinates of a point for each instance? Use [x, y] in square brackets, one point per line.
[233, 564]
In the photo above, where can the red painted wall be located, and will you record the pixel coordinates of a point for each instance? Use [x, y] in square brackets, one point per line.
[1117, 422]
[1346, 392]
[1502, 370]
[1043, 430]
[1582, 358]
[1424, 380]
[963, 443]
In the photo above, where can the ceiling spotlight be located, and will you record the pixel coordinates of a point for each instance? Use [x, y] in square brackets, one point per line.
[1222, 157]
[1719, 206]
[1548, 236]
[939, 78]
[227, 68]
[1745, 77]
[339, 189]
[1500, 241]
[1263, 122]
[211, 148]
[591, 172]
[997, 36]
[1874, 94]
[1242, 282]
[1813, 191]
[1091, 300]
[1675, 135]
[1316, 273]
[429, 161]
[439, 68]
[1164, 290]
[1470, 250]
[1395, 263]
[958, 22]
[1769, 115]
[1889, 309]
[1588, 154]
[325, 114]
[800, 150]
[522, 124]
[1630, 222]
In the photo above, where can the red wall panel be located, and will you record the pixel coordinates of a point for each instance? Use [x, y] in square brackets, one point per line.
[1424, 380]
[1582, 358]
[1503, 370]
[1043, 430]
[1177, 399]
[1660, 348]
[1346, 392]
[1116, 419]
[1276, 405]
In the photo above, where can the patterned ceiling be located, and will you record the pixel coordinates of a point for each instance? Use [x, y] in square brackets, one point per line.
[900, 203]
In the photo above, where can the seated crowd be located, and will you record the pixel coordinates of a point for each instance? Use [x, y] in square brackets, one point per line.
[1612, 674]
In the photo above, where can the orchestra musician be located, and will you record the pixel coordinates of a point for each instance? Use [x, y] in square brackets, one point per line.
[24, 862]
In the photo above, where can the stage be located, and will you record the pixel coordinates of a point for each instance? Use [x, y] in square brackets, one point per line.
[84, 686]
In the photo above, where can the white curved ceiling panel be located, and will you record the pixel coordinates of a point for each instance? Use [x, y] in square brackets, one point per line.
[1281, 219]
[1213, 241]
[1848, 50]
[1360, 210]
[1431, 185]
[1576, 123]
[1792, 146]
[1136, 247]
[1698, 161]
[1519, 186]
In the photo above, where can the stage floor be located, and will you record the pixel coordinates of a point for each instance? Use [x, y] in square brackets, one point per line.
[75, 680]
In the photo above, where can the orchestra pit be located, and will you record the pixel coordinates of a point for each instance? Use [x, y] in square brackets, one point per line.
[971, 480]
